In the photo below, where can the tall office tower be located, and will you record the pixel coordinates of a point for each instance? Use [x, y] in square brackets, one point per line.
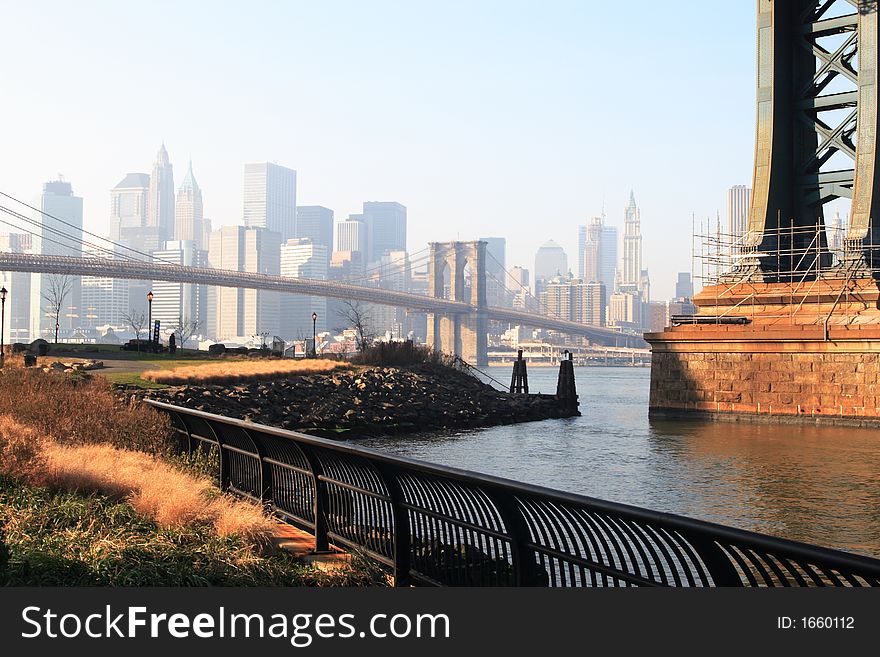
[105, 300]
[632, 246]
[496, 277]
[658, 316]
[600, 253]
[351, 235]
[225, 304]
[556, 297]
[236, 314]
[589, 303]
[18, 286]
[189, 219]
[550, 261]
[128, 204]
[386, 228]
[739, 198]
[684, 287]
[270, 198]
[315, 222]
[582, 246]
[302, 258]
[63, 212]
[518, 277]
[160, 207]
[174, 303]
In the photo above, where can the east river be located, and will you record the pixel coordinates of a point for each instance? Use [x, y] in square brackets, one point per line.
[819, 484]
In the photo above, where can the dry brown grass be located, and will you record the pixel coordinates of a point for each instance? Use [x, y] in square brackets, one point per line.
[74, 411]
[21, 453]
[233, 371]
[154, 488]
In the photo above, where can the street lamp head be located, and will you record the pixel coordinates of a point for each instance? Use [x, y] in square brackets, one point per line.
[314, 317]
[150, 295]
[3, 293]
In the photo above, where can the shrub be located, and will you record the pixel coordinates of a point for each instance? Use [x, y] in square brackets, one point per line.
[79, 411]
[403, 354]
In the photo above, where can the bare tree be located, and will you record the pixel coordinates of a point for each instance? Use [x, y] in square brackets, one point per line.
[58, 288]
[137, 322]
[184, 329]
[358, 317]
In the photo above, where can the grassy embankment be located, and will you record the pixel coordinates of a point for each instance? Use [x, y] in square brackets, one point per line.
[233, 371]
[89, 495]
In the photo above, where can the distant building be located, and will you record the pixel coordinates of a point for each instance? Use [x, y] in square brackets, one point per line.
[105, 300]
[658, 316]
[632, 274]
[575, 300]
[190, 213]
[684, 287]
[235, 313]
[386, 228]
[61, 211]
[738, 202]
[625, 310]
[599, 256]
[496, 253]
[351, 235]
[302, 258]
[270, 198]
[128, 204]
[550, 261]
[160, 205]
[18, 287]
[315, 222]
[175, 302]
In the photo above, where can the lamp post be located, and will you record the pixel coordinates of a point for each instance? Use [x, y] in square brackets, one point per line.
[3, 294]
[150, 318]
[314, 335]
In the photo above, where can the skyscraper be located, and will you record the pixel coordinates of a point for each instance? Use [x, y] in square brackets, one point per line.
[550, 261]
[739, 199]
[632, 245]
[684, 287]
[237, 313]
[160, 207]
[128, 204]
[386, 228]
[351, 235]
[302, 258]
[599, 257]
[496, 251]
[315, 222]
[189, 212]
[176, 302]
[18, 285]
[270, 198]
[61, 211]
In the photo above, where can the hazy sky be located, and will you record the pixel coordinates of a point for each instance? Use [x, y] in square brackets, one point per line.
[516, 119]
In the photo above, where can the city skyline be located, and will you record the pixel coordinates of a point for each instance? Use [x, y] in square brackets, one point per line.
[493, 140]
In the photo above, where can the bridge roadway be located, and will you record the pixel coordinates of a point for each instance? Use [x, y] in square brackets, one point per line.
[138, 270]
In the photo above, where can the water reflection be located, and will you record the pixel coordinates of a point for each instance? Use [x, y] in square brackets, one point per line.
[809, 483]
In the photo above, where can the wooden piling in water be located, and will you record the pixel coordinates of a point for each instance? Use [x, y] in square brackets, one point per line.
[566, 391]
[519, 379]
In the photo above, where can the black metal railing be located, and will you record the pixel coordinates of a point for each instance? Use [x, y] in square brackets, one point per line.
[437, 525]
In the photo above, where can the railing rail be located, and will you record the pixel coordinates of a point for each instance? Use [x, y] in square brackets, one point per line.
[439, 525]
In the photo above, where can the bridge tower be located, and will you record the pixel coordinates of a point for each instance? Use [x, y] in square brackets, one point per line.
[457, 271]
[786, 323]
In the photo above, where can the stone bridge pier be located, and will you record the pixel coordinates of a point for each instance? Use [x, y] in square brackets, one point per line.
[457, 271]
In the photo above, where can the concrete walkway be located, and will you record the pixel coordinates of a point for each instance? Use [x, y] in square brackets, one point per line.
[302, 545]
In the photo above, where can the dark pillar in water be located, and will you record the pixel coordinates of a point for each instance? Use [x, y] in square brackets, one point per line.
[519, 380]
[566, 392]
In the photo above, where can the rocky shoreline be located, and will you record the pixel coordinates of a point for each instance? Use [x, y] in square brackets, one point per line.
[369, 402]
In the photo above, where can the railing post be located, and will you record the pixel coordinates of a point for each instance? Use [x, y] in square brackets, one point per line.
[322, 542]
[402, 529]
[524, 566]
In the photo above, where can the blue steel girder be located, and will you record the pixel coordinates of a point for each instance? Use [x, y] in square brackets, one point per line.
[816, 137]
